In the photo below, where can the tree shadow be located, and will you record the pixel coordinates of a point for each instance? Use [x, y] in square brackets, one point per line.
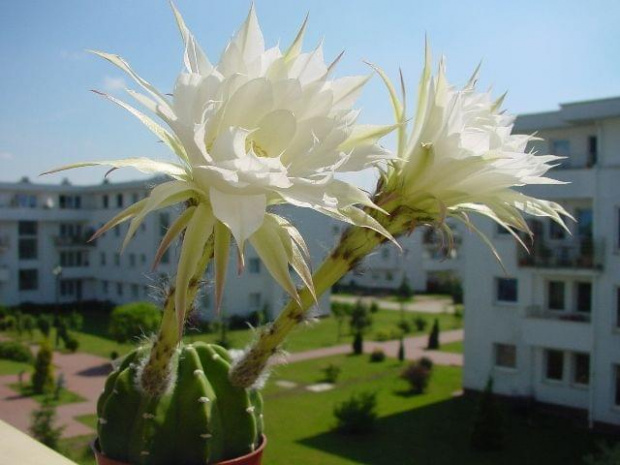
[438, 434]
[100, 370]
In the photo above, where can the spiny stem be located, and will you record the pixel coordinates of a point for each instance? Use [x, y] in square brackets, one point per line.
[156, 374]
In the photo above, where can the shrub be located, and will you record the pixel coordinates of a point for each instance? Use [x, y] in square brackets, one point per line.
[13, 350]
[75, 321]
[607, 455]
[42, 425]
[417, 376]
[374, 307]
[433, 337]
[404, 326]
[426, 363]
[29, 324]
[133, 320]
[357, 415]
[377, 356]
[8, 323]
[113, 355]
[43, 376]
[383, 335]
[44, 323]
[331, 373]
[71, 343]
[420, 323]
[487, 433]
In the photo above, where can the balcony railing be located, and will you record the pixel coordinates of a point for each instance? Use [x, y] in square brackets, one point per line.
[536, 311]
[580, 253]
[74, 241]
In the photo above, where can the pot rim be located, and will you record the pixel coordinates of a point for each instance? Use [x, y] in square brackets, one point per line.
[94, 445]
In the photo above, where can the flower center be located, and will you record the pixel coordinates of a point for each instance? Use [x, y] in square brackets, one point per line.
[258, 150]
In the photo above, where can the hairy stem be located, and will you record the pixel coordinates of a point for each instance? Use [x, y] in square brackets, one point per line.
[156, 375]
[354, 245]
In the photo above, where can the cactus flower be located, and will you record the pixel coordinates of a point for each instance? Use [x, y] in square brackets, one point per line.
[262, 127]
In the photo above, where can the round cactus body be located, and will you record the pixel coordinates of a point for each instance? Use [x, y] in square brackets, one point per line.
[200, 419]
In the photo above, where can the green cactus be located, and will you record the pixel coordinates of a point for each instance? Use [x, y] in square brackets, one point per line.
[200, 418]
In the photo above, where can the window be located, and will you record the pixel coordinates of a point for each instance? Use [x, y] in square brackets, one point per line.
[71, 202]
[617, 387]
[135, 197]
[385, 253]
[27, 228]
[119, 200]
[581, 369]
[505, 356]
[584, 297]
[584, 217]
[24, 201]
[28, 280]
[389, 276]
[135, 291]
[254, 265]
[554, 361]
[105, 200]
[592, 150]
[555, 295]
[254, 300]
[117, 231]
[105, 287]
[143, 227]
[102, 258]
[117, 259]
[143, 258]
[165, 258]
[28, 248]
[560, 147]
[119, 289]
[132, 260]
[506, 289]
[67, 287]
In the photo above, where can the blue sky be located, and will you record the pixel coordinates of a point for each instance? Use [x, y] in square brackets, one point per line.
[543, 53]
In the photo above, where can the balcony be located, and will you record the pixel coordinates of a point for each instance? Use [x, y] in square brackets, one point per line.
[536, 311]
[75, 241]
[579, 253]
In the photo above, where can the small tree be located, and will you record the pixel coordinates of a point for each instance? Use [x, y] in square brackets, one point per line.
[401, 350]
[43, 376]
[42, 425]
[133, 320]
[487, 433]
[44, 323]
[417, 375]
[357, 415]
[360, 322]
[404, 291]
[433, 337]
[341, 312]
[29, 324]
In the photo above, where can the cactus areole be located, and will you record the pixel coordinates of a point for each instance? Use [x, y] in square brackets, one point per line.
[199, 418]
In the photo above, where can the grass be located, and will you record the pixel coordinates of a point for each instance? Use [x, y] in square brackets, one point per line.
[452, 347]
[432, 428]
[66, 396]
[9, 367]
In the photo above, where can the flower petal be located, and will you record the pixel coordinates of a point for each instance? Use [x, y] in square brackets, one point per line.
[242, 214]
[221, 254]
[175, 229]
[144, 165]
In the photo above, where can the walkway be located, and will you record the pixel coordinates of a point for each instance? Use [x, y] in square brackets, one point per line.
[85, 375]
[421, 303]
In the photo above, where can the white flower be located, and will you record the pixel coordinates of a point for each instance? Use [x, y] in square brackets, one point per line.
[461, 157]
[260, 128]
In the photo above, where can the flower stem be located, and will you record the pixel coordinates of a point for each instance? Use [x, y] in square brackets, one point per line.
[156, 375]
[354, 245]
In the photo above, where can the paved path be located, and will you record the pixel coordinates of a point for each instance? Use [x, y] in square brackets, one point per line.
[414, 349]
[85, 375]
[421, 303]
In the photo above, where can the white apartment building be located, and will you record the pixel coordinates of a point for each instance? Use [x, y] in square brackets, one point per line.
[425, 262]
[44, 256]
[549, 329]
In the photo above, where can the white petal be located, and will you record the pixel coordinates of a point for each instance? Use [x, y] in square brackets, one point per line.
[242, 214]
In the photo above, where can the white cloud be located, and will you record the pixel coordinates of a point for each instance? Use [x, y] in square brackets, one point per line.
[113, 84]
[6, 155]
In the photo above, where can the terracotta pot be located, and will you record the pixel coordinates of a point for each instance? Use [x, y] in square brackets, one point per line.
[253, 458]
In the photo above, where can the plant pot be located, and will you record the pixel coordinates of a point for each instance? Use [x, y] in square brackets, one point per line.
[253, 458]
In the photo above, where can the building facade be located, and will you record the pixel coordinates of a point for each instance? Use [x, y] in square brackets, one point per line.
[549, 328]
[45, 256]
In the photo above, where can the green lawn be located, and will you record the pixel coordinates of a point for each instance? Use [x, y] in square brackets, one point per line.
[94, 337]
[428, 429]
[66, 396]
[9, 367]
[453, 347]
